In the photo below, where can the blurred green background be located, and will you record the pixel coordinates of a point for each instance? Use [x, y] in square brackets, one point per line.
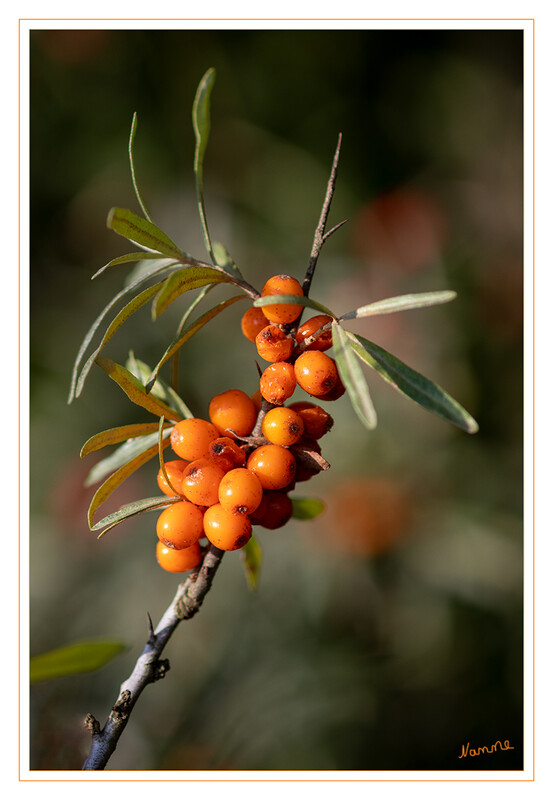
[387, 633]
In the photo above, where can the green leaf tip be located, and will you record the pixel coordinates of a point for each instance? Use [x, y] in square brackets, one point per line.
[306, 508]
[73, 659]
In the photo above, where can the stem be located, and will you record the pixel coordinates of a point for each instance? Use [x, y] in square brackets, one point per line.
[149, 668]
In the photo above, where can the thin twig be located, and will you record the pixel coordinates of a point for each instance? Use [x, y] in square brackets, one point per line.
[149, 668]
[320, 238]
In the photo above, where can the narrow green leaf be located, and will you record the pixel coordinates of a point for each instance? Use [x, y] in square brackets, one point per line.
[404, 302]
[143, 232]
[123, 455]
[147, 268]
[117, 435]
[131, 162]
[252, 557]
[97, 322]
[224, 260]
[127, 311]
[412, 384]
[117, 478]
[161, 390]
[126, 259]
[352, 377]
[132, 510]
[73, 659]
[189, 333]
[184, 280]
[307, 507]
[201, 124]
[294, 300]
[135, 391]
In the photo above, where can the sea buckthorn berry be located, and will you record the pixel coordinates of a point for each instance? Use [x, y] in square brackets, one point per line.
[174, 470]
[282, 426]
[233, 410]
[315, 372]
[226, 529]
[190, 438]
[200, 482]
[257, 400]
[282, 313]
[178, 560]
[180, 525]
[253, 321]
[273, 344]
[337, 390]
[226, 453]
[322, 342]
[317, 421]
[240, 491]
[278, 382]
[275, 466]
[278, 510]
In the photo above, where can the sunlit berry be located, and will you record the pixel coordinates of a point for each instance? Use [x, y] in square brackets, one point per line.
[241, 491]
[226, 453]
[178, 560]
[317, 421]
[200, 481]
[273, 344]
[315, 372]
[225, 529]
[174, 470]
[253, 321]
[323, 341]
[180, 525]
[285, 312]
[282, 426]
[278, 382]
[233, 410]
[190, 438]
[275, 466]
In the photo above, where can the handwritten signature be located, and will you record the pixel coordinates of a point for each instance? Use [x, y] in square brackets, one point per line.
[467, 750]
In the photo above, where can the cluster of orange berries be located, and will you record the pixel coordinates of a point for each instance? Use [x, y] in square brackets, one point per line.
[236, 469]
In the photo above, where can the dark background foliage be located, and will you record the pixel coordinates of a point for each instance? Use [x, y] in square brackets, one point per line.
[387, 633]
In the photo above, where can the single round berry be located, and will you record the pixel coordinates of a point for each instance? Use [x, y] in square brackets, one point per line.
[200, 482]
[278, 510]
[226, 529]
[273, 344]
[178, 560]
[233, 410]
[315, 372]
[285, 312]
[275, 466]
[174, 470]
[278, 382]
[323, 341]
[190, 438]
[316, 420]
[180, 525]
[337, 390]
[282, 426]
[226, 453]
[240, 491]
[253, 321]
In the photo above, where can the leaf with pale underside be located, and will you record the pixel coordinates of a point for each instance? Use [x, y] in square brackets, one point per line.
[132, 510]
[292, 299]
[126, 259]
[185, 280]
[123, 455]
[224, 260]
[352, 377]
[117, 435]
[201, 123]
[135, 390]
[412, 384]
[142, 232]
[404, 302]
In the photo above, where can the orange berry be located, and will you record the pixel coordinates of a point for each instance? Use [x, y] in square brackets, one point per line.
[178, 560]
[317, 421]
[273, 344]
[190, 438]
[174, 470]
[315, 372]
[180, 525]
[337, 390]
[275, 466]
[278, 510]
[282, 313]
[282, 426]
[200, 482]
[278, 382]
[226, 453]
[240, 491]
[233, 410]
[226, 529]
[253, 321]
[257, 399]
[322, 342]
